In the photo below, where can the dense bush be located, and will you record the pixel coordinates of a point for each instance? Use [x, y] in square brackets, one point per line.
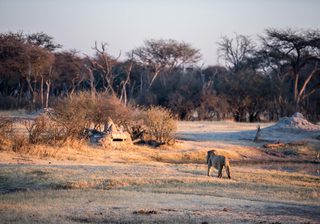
[80, 111]
[72, 116]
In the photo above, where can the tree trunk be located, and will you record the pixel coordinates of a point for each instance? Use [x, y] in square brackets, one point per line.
[92, 87]
[21, 90]
[295, 90]
[154, 77]
[29, 83]
[34, 92]
[124, 85]
[42, 92]
[48, 84]
[258, 134]
[141, 84]
[132, 90]
[303, 88]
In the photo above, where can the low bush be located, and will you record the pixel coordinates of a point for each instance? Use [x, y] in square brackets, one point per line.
[6, 131]
[20, 143]
[44, 130]
[9, 139]
[160, 124]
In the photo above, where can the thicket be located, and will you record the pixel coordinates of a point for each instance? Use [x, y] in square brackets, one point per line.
[82, 111]
[71, 117]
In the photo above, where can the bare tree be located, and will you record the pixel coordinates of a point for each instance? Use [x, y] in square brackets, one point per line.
[123, 85]
[104, 64]
[236, 52]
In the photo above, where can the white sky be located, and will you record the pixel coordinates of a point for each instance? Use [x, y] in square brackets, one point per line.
[125, 24]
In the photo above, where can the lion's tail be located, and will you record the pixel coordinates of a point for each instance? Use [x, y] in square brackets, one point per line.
[228, 170]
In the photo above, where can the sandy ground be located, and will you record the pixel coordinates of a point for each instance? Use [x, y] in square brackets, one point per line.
[117, 206]
[241, 133]
[236, 139]
[158, 193]
[165, 185]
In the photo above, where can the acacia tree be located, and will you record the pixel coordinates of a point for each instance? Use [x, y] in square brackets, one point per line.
[295, 54]
[42, 46]
[43, 40]
[39, 65]
[13, 63]
[40, 60]
[27, 56]
[163, 55]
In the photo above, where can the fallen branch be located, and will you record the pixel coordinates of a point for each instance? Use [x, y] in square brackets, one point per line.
[274, 145]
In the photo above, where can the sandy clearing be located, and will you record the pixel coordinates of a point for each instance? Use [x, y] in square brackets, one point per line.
[244, 133]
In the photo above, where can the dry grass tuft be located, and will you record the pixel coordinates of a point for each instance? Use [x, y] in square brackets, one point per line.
[180, 157]
[177, 156]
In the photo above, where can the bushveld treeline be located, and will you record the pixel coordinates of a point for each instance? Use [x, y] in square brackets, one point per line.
[274, 76]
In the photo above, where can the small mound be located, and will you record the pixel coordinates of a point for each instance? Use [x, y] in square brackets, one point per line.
[295, 122]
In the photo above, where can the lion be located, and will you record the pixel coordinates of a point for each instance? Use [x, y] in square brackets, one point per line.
[218, 162]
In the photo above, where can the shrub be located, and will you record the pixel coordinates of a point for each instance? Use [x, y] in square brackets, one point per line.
[81, 111]
[160, 124]
[44, 130]
[6, 126]
[20, 143]
[35, 129]
[9, 139]
[6, 131]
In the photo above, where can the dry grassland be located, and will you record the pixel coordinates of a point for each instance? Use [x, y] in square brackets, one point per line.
[78, 183]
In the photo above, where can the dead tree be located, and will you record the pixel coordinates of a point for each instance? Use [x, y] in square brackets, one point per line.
[104, 63]
[258, 134]
[124, 83]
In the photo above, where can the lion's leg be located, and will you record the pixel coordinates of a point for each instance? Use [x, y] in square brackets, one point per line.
[209, 166]
[220, 171]
[228, 171]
